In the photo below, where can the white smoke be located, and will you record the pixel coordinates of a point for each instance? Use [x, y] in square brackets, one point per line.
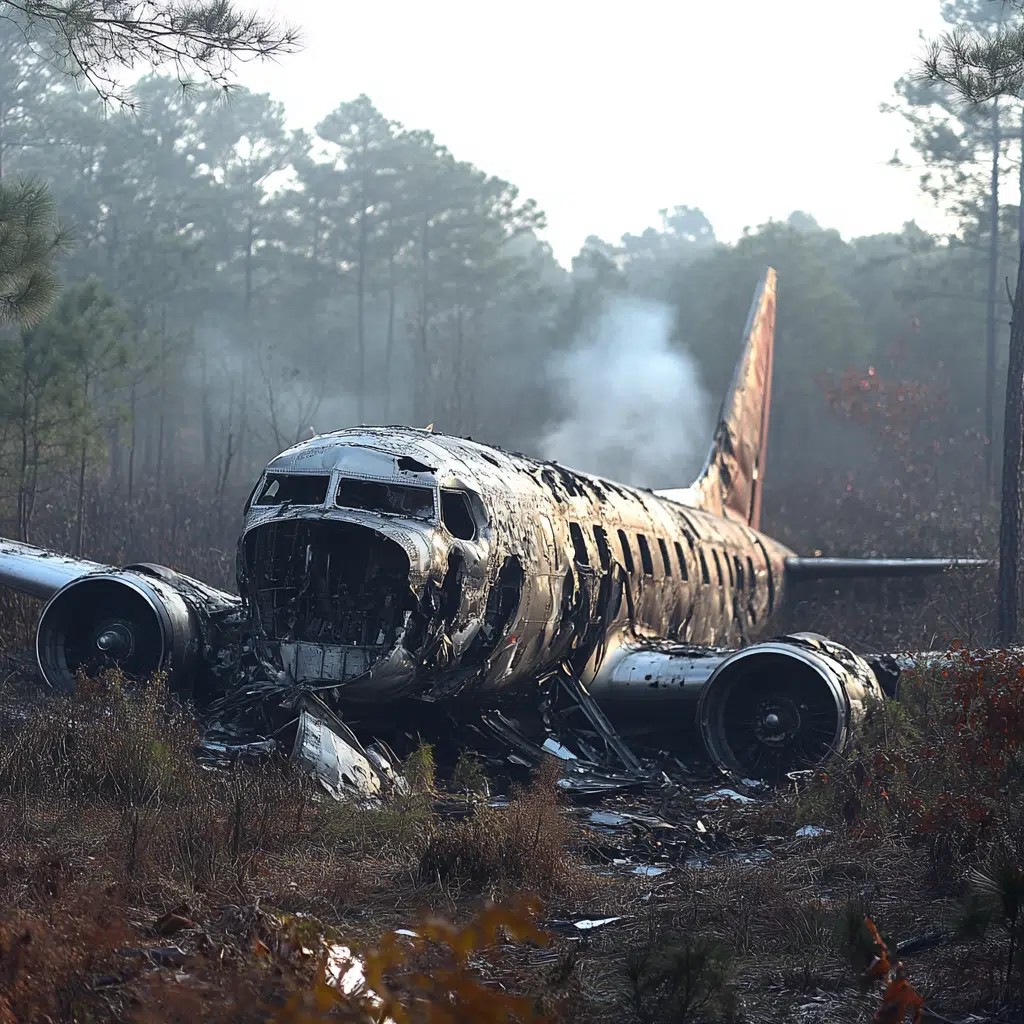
[635, 408]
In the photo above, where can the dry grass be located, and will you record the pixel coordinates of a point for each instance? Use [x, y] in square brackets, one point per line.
[108, 824]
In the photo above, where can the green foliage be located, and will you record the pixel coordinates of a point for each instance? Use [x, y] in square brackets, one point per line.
[30, 237]
[469, 775]
[93, 39]
[107, 742]
[678, 979]
[420, 770]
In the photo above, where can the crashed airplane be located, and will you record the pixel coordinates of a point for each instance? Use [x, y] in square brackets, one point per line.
[387, 567]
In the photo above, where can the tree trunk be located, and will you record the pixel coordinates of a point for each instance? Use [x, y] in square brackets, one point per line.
[80, 510]
[1010, 511]
[390, 343]
[421, 364]
[207, 417]
[993, 278]
[132, 441]
[162, 410]
[242, 451]
[360, 310]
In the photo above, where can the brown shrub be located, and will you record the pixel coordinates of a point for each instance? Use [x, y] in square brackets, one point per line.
[942, 768]
[523, 844]
[108, 741]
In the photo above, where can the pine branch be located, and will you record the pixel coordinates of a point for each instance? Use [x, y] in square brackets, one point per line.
[978, 67]
[91, 39]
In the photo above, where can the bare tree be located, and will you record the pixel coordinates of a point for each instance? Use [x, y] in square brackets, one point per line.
[980, 68]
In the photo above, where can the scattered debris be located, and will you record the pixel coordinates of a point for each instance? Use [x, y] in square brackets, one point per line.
[725, 795]
[811, 832]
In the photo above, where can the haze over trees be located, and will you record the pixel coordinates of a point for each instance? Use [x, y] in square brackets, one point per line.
[254, 283]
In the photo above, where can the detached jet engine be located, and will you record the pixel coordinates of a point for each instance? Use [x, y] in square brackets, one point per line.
[144, 618]
[387, 565]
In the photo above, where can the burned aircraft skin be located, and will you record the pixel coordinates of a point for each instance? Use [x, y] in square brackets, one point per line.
[431, 565]
[389, 564]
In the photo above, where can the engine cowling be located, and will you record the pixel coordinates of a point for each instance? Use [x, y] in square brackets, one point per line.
[785, 705]
[142, 619]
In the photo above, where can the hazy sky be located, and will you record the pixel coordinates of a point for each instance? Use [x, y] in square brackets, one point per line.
[606, 114]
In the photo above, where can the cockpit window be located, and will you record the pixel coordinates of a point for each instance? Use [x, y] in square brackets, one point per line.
[293, 489]
[456, 515]
[392, 499]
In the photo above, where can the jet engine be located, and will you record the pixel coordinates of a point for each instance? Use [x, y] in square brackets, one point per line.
[761, 711]
[785, 704]
[141, 618]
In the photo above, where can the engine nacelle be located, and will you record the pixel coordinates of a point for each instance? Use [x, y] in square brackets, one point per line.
[142, 619]
[785, 704]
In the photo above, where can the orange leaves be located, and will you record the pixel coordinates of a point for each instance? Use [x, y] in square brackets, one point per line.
[387, 986]
[879, 967]
[900, 997]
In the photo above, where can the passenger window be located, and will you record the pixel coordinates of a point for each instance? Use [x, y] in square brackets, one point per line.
[728, 568]
[718, 567]
[627, 554]
[603, 550]
[579, 545]
[681, 559]
[751, 575]
[739, 574]
[664, 557]
[456, 515]
[704, 575]
[645, 555]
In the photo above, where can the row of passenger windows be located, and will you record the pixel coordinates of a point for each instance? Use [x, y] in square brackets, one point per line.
[738, 573]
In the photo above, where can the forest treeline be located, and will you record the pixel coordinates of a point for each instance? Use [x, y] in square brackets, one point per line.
[235, 284]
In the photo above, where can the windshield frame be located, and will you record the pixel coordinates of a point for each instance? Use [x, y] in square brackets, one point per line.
[342, 479]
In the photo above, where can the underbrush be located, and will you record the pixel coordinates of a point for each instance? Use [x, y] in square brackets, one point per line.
[941, 768]
[113, 837]
[937, 781]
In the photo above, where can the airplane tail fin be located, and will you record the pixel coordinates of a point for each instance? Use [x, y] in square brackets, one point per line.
[732, 478]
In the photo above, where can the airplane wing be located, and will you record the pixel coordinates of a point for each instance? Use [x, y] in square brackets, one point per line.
[38, 572]
[799, 568]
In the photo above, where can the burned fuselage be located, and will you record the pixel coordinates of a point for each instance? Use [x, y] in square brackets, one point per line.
[393, 562]
[383, 563]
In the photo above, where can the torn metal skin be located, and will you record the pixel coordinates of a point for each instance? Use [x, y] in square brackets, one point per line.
[390, 567]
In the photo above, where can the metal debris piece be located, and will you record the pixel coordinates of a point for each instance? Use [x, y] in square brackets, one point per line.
[347, 973]
[725, 796]
[327, 749]
[811, 832]
[582, 924]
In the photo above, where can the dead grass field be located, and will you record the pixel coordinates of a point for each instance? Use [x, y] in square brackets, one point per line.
[137, 886]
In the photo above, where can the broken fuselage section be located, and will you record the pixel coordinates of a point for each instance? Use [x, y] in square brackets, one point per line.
[383, 563]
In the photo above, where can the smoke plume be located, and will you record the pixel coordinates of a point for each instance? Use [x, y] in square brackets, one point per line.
[635, 410]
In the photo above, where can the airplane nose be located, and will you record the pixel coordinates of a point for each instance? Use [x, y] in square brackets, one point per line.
[335, 596]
